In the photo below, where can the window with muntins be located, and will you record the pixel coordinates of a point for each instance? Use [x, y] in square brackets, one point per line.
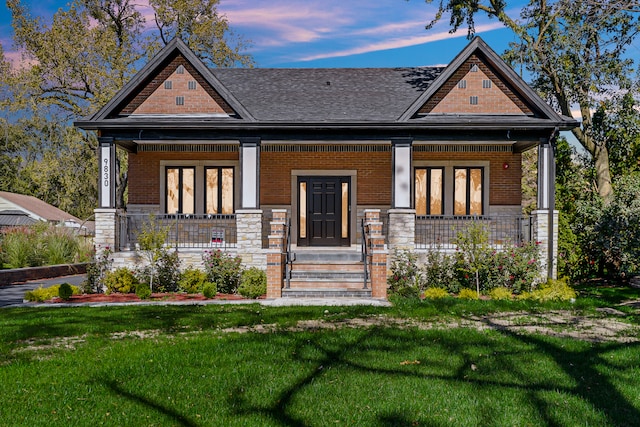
[199, 189]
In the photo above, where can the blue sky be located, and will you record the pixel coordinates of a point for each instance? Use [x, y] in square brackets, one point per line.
[328, 33]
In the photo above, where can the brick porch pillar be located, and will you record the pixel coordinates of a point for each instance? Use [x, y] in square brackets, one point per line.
[379, 254]
[275, 254]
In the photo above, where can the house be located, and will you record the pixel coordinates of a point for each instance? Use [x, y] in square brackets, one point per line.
[20, 210]
[334, 167]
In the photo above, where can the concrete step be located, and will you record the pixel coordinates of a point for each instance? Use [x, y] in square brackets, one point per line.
[326, 293]
[328, 275]
[329, 284]
[337, 256]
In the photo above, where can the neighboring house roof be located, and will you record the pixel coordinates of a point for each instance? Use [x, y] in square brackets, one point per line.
[254, 99]
[35, 208]
[15, 218]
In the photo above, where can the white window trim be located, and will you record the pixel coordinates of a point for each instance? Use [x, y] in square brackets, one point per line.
[199, 165]
[449, 179]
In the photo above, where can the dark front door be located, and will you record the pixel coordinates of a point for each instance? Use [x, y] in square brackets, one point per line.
[323, 218]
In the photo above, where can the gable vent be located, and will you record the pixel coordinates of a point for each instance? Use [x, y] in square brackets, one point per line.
[168, 84]
[474, 68]
[473, 100]
[179, 100]
[462, 84]
[192, 84]
[180, 69]
[486, 84]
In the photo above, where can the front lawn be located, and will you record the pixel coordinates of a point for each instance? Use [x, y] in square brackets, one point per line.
[219, 365]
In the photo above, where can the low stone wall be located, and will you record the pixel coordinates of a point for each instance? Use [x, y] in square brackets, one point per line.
[19, 275]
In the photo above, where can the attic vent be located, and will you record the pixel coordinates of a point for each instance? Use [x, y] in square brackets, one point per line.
[180, 69]
[168, 84]
[462, 84]
[179, 100]
[486, 84]
[473, 100]
[474, 68]
[192, 85]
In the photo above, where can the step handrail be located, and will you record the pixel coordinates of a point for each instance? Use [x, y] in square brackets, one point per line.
[289, 256]
[365, 247]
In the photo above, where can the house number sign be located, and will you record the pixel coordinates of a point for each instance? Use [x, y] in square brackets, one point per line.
[105, 177]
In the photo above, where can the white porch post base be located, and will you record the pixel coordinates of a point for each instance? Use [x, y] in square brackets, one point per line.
[541, 236]
[249, 230]
[402, 229]
[106, 224]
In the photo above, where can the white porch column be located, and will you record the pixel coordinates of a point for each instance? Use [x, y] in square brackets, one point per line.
[250, 172]
[546, 217]
[401, 190]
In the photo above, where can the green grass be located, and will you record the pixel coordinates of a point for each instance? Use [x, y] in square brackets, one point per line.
[64, 366]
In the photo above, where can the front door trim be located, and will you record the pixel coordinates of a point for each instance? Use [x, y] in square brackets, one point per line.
[350, 173]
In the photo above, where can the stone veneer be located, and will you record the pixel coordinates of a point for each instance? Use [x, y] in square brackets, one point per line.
[541, 236]
[402, 229]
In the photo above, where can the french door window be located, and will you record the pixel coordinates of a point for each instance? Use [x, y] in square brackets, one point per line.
[180, 190]
[450, 190]
[467, 190]
[429, 191]
[219, 190]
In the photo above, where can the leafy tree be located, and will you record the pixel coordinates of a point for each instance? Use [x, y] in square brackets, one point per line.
[574, 49]
[71, 66]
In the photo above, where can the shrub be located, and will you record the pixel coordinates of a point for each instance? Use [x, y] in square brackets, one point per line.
[515, 267]
[65, 291]
[552, 290]
[45, 294]
[143, 291]
[223, 270]
[192, 281]
[500, 294]
[435, 293]
[210, 290]
[472, 253]
[253, 283]
[440, 271]
[58, 245]
[120, 280]
[467, 293]
[97, 269]
[18, 247]
[406, 278]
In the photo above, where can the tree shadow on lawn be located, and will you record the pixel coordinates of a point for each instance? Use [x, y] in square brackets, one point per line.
[581, 366]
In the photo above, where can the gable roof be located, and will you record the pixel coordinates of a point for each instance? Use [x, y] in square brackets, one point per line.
[344, 98]
[520, 88]
[142, 79]
[35, 207]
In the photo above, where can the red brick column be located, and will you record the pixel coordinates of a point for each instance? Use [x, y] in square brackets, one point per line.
[275, 254]
[379, 254]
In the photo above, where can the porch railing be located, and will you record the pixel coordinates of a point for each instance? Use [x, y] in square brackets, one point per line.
[183, 230]
[365, 247]
[442, 231]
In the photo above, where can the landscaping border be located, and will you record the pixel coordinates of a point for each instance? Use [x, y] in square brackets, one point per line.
[21, 275]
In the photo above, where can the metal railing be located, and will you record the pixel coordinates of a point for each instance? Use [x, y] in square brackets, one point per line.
[289, 255]
[365, 247]
[442, 231]
[183, 230]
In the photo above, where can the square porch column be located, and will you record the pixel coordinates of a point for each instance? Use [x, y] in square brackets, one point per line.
[250, 172]
[249, 232]
[401, 191]
[546, 217]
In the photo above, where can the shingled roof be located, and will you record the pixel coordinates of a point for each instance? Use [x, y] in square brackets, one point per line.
[327, 94]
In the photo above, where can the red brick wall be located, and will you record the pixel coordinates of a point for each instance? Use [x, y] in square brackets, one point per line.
[374, 174]
[144, 172]
[505, 184]
[499, 99]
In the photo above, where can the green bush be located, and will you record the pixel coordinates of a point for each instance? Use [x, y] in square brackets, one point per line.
[223, 270]
[143, 291]
[440, 271]
[120, 280]
[467, 293]
[45, 294]
[500, 294]
[436, 293]
[65, 291]
[253, 283]
[192, 281]
[18, 247]
[210, 290]
[97, 269]
[406, 278]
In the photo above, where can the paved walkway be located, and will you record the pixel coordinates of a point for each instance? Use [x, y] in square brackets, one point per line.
[14, 294]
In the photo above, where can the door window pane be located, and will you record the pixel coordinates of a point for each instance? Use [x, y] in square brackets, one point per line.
[345, 210]
[303, 210]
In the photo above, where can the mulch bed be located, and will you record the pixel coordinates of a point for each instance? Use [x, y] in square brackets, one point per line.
[117, 297]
